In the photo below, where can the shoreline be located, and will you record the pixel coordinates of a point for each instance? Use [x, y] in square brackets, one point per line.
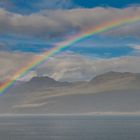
[97, 114]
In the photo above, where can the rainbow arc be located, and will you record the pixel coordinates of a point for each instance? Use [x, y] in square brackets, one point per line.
[62, 45]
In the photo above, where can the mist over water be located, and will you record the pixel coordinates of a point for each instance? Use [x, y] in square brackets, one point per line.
[70, 128]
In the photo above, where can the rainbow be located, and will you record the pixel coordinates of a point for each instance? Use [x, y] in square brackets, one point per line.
[103, 27]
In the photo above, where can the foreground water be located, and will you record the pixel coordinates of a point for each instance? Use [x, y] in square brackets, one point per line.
[69, 128]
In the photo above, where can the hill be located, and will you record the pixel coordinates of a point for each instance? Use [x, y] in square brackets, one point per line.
[109, 92]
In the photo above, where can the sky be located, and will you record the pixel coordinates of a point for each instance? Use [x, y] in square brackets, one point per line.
[30, 27]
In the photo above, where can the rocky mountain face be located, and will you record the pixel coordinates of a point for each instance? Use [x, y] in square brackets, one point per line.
[109, 92]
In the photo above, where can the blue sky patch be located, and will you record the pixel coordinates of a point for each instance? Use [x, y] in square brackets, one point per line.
[104, 52]
[31, 6]
[106, 3]
[97, 45]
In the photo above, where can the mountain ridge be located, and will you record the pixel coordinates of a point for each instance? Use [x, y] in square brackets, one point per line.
[108, 76]
[109, 92]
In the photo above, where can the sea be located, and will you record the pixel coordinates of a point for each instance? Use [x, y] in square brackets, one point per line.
[45, 127]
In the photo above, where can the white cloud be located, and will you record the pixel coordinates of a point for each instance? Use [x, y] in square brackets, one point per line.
[136, 47]
[136, 51]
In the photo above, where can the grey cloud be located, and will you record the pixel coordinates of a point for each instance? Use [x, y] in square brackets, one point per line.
[71, 67]
[35, 5]
[136, 51]
[51, 24]
[6, 3]
[54, 4]
[11, 62]
[127, 30]
[3, 46]
[66, 67]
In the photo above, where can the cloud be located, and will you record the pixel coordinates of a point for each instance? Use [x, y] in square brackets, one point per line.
[136, 47]
[29, 105]
[3, 46]
[11, 62]
[31, 6]
[58, 23]
[71, 67]
[6, 4]
[66, 66]
[54, 4]
[136, 51]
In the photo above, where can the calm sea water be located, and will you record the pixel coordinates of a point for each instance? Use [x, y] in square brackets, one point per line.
[70, 128]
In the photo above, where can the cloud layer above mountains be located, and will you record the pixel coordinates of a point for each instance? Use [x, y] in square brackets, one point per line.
[67, 66]
[46, 24]
[51, 24]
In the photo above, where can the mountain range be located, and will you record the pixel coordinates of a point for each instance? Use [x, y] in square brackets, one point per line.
[111, 92]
